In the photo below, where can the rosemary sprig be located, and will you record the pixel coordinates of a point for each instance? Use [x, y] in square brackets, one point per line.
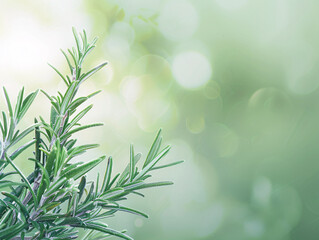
[57, 199]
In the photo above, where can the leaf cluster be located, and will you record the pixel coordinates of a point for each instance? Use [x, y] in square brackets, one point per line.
[57, 199]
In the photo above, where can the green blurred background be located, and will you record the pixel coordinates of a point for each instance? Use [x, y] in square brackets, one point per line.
[233, 83]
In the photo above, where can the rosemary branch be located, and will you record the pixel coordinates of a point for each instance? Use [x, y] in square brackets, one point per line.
[56, 199]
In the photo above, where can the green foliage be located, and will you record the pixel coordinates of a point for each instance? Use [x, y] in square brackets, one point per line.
[57, 199]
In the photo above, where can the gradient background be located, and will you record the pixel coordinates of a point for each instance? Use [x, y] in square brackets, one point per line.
[233, 84]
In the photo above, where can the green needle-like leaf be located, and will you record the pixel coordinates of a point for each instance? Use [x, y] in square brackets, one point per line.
[20, 204]
[107, 176]
[92, 71]
[25, 180]
[23, 134]
[68, 134]
[60, 74]
[83, 169]
[68, 61]
[132, 163]
[25, 105]
[19, 102]
[103, 228]
[149, 166]
[154, 149]
[125, 209]
[167, 165]
[78, 117]
[8, 102]
[17, 152]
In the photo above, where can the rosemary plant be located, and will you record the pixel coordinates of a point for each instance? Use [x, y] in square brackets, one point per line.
[56, 199]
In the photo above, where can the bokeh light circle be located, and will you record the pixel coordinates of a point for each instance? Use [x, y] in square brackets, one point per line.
[178, 20]
[118, 48]
[156, 71]
[302, 72]
[270, 112]
[191, 69]
[225, 141]
[195, 124]
[212, 90]
[123, 30]
[131, 88]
